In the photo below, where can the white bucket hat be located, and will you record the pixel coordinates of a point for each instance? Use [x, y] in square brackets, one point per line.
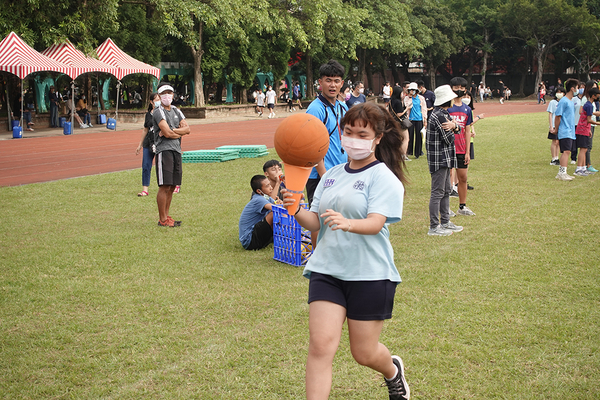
[413, 86]
[443, 94]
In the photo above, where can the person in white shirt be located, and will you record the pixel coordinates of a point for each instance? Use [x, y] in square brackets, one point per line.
[271, 101]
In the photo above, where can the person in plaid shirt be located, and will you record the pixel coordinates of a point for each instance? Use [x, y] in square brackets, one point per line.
[441, 158]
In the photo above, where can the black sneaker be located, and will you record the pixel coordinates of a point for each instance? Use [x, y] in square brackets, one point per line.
[469, 187]
[397, 386]
[454, 193]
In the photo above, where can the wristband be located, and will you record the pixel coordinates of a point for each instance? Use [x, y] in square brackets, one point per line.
[349, 226]
[297, 211]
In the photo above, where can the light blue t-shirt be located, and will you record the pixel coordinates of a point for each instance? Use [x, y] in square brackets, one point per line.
[355, 194]
[331, 115]
[415, 111]
[566, 110]
[252, 214]
[552, 109]
[577, 103]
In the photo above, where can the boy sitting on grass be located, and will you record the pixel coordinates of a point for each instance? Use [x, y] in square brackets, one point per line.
[273, 171]
[256, 221]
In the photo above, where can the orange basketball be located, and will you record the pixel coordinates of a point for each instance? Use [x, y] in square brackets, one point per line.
[301, 140]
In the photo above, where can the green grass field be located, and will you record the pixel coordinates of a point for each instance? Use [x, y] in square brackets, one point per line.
[96, 301]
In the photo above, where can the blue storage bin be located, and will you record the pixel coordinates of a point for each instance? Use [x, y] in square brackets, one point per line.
[111, 124]
[17, 132]
[291, 243]
[61, 121]
[101, 119]
[67, 128]
[15, 122]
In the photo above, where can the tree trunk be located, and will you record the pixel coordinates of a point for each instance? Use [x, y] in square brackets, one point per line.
[539, 55]
[197, 54]
[432, 72]
[486, 38]
[361, 66]
[471, 65]
[310, 88]
[369, 72]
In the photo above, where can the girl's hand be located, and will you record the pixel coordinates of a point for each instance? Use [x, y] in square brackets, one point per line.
[137, 151]
[336, 220]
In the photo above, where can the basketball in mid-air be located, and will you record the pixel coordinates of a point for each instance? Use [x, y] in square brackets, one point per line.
[301, 140]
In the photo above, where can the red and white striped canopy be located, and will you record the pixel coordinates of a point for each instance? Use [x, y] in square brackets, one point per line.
[66, 53]
[18, 58]
[111, 54]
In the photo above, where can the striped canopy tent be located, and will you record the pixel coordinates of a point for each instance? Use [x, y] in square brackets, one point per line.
[20, 59]
[66, 53]
[111, 54]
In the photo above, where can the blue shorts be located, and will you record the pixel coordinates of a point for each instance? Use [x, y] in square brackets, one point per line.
[363, 300]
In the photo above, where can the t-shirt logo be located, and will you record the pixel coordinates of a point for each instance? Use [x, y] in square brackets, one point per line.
[328, 183]
[359, 185]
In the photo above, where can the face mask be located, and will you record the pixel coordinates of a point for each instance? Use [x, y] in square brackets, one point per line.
[357, 149]
[559, 96]
[166, 99]
[347, 96]
[361, 91]
[459, 93]
[157, 104]
[580, 91]
[466, 101]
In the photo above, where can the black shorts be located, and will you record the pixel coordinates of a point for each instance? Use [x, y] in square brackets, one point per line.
[294, 97]
[552, 136]
[472, 151]
[583, 142]
[460, 161]
[363, 300]
[271, 106]
[311, 186]
[168, 168]
[566, 144]
[262, 235]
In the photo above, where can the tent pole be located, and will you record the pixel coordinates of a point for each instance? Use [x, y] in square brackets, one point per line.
[8, 108]
[117, 106]
[22, 101]
[72, 106]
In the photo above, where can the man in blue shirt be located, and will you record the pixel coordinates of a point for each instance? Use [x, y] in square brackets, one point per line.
[330, 111]
[256, 221]
[357, 96]
[564, 127]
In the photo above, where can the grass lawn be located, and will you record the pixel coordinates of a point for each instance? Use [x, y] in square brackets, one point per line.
[96, 301]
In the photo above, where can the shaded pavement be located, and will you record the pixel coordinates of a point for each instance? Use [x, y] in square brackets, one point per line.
[47, 155]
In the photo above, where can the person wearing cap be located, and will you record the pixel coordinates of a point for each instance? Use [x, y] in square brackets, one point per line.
[169, 127]
[441, 158]
[417, 107]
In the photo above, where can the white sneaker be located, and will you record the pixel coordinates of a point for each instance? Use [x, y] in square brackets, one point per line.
[439, 231]
[83, 126]
[451, 213]
[573, 162]
[90, 125]
[451, 227]
[465, 211]
[564, 177]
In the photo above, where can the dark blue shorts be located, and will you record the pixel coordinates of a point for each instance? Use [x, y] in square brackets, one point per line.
[566, 144]
[363, 300]
[583, 142]
[262, 235]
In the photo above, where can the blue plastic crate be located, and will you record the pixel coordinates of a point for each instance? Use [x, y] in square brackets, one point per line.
[67, 128]
[291, 242]
[111, 124]
[17, 132]
[101, 119]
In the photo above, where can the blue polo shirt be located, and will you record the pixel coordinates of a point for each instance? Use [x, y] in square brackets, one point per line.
[331, 116]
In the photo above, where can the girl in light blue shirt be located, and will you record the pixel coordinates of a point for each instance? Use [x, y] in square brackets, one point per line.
[352, 273]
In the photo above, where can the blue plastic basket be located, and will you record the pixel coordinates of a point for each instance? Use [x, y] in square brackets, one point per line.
[291, 243]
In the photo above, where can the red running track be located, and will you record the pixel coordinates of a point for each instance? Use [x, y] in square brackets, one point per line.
[44, 159]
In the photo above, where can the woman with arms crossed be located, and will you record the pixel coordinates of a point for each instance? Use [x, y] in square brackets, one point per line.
[352, 272]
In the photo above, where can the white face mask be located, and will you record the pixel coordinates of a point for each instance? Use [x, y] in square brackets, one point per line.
[357, 149]
[166, 99]
[559, 96]
[362, 90]
[466, 101]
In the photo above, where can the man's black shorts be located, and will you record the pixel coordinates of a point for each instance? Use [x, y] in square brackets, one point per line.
[262, 235]
[566, 144]
[583, 142]
[552, 136]
[460, 161]
[168, 168]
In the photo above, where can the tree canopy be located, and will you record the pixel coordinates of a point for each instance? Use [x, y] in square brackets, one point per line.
[228, 41]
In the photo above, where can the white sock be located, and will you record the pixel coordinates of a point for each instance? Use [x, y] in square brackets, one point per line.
[580, 169]
[562, 170]
[395, 373]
